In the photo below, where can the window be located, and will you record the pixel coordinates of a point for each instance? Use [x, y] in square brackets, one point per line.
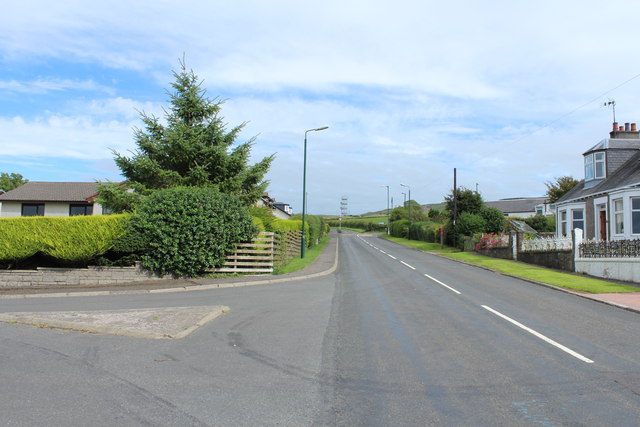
[588, 167]
[577, 219]
[563, 223]
[618, 215]
[635, 215]
[80, 210]
[33, 209]
[600, 165]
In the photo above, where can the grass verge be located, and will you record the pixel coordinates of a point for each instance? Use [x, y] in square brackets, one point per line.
[299, 263]
[525, 271]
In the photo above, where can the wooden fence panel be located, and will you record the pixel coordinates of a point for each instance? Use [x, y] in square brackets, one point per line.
[256, 256]
[263, 253]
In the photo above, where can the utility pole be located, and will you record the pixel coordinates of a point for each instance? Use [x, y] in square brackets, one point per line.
[455, 205]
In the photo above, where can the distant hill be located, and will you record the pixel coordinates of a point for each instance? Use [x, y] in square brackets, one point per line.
[439, 206]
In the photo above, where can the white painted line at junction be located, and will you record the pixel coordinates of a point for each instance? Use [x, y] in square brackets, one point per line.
[539, 335]
[411, 267]
[391, 256]
[445, 285]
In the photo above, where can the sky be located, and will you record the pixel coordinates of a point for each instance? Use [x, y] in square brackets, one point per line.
[509, 93]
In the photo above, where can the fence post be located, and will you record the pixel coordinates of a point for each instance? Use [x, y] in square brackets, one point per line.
[576, 239]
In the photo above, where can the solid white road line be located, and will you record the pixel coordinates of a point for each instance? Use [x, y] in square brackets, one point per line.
[539, 335]
[411, 267]
[446, 286]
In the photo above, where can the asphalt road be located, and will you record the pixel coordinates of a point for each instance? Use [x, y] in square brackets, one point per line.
[394, 338]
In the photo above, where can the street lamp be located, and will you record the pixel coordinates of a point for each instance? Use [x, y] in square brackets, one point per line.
[403, 185]
[304, 188]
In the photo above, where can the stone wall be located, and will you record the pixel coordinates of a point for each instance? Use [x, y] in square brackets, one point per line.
[560, 260]
[70, 277]
[502, 253]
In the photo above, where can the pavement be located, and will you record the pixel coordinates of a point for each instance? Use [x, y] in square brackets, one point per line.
[178, 322]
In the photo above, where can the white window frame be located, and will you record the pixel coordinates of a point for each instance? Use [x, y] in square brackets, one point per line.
[579, 220]
[599, 162]
[563, 224]
[635, 227]
[618, 216]
[589, 171]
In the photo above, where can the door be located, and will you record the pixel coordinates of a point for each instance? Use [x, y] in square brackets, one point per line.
[603, 225]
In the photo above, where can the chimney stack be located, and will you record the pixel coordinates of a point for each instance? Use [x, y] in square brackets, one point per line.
[628, 131]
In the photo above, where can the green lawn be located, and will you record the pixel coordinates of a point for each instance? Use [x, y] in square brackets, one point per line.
[519, 269]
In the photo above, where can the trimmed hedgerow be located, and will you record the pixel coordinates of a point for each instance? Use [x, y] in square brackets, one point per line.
[189, 230]
[71, 240]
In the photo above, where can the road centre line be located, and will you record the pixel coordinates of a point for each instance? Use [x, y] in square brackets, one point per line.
[411, 267]
[445, 285]
[539, 335]
[391, 256]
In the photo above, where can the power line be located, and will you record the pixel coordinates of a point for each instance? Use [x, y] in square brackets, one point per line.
[574, 110]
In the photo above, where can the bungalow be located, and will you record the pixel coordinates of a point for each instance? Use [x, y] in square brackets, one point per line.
[522, 207]
[51, 199]
[606, 203]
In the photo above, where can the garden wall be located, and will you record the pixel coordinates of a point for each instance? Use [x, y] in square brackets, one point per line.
[560, 260]
[70, 277]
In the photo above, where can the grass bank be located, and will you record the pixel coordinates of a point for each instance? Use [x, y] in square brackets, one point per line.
[519, 269]
[299, 263]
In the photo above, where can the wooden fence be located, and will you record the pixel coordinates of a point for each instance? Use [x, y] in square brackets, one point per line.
[262, 253]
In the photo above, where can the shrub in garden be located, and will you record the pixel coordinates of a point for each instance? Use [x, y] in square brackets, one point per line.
[493, 240]
[541, 223]
[468, 224]
[494, 219]
[189, 230]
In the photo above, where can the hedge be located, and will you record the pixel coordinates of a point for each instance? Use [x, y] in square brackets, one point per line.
[77, 239]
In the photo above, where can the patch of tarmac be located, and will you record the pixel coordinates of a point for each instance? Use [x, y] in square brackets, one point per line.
[150, 323]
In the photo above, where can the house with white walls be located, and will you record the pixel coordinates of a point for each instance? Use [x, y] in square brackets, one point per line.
[51, 199]
[606, 203]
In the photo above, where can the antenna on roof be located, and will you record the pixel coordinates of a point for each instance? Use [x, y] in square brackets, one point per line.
[611, 103]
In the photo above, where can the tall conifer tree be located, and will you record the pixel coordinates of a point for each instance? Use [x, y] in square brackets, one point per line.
[191, 148]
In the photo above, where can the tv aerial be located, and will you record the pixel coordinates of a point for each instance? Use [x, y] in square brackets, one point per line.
[611, 103]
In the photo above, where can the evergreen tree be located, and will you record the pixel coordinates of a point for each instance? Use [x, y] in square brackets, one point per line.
[466, 201]
[194, 149]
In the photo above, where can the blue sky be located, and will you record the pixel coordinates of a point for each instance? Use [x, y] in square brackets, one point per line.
[508, 92]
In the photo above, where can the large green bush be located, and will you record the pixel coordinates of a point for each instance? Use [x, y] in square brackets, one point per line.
[469, 224]
[400, 228]
[542, 223]
[189, 230]
[494, 219]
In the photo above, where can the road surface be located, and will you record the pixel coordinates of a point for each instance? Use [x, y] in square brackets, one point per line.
[395, 337]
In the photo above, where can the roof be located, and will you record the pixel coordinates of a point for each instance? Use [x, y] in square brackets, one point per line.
[521, 204]
[626, 175]
[34, 191]
[615, 143]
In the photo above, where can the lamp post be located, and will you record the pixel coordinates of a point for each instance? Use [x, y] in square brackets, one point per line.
[304, 188]
[403, 185]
